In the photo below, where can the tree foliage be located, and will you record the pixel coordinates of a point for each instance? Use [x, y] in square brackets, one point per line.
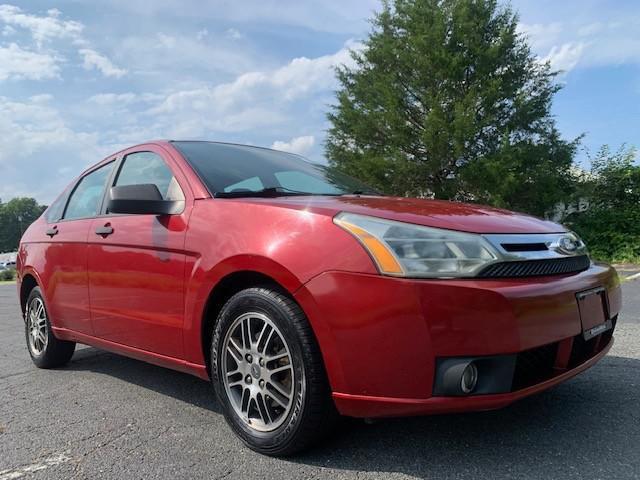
[15, 216]
[446, 100]
[611, 224]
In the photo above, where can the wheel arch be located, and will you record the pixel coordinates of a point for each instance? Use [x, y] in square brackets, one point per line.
[28, 283]
[227, 286]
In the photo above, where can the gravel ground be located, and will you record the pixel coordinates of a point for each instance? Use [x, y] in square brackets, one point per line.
[106, 416]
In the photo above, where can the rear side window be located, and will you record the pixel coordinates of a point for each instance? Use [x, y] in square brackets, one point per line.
[148, 167]
[86, 199]
[56, 209]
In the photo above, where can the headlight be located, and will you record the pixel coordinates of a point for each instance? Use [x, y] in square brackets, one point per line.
[407, 250]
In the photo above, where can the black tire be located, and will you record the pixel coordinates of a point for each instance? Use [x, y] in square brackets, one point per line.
[311, 414]
[53, 352]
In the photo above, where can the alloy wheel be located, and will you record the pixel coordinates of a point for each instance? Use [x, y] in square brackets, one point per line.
[258, 373]
[37, 326]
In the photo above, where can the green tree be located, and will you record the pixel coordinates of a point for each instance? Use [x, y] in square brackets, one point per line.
[610, 225]
[15, 216]
[446, 100]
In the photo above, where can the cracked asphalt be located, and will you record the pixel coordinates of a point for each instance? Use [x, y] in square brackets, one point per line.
[106, 416]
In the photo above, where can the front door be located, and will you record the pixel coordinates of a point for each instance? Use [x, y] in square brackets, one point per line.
[136, 263]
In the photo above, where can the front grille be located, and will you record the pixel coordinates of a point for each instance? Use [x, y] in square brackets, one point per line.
[534, 366]
[536, 268]
[525, 247]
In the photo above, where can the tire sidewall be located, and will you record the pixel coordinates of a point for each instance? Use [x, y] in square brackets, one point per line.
[258, 300]
[39, 360]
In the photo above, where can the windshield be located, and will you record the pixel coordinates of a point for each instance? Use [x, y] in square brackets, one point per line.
[239, 170]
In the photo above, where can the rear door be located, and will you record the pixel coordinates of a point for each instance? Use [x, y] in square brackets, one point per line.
[64, 271]
[136, 262]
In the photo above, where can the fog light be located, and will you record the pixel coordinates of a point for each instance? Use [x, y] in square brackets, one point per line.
[469, 378]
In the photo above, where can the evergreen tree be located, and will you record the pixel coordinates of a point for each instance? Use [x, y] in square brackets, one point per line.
[446, 100]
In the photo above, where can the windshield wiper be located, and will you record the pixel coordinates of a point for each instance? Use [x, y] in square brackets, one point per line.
[362, 192]
[270, 192]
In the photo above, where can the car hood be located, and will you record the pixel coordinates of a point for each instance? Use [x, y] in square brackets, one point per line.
[433, 213]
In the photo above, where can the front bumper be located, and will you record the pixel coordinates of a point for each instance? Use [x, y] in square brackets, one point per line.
[381, 337]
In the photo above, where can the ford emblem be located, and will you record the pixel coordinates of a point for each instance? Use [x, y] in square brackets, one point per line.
[567, 245]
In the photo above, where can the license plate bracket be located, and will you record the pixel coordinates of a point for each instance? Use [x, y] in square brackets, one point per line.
[593, 306]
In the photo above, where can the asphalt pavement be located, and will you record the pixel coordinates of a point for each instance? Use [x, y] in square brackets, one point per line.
[106, 416]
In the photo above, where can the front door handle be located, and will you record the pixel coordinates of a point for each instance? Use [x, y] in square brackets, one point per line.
[104, 230]
[52, 231]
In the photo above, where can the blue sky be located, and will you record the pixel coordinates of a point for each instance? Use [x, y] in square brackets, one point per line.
[80, 80]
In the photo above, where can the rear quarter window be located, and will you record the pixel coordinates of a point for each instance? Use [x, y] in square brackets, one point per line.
[56, 209]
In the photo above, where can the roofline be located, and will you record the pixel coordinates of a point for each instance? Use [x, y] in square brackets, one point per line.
[167, 142]
[159, 142]
[235, 145]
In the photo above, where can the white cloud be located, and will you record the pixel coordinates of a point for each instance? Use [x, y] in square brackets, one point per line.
[93, 59]
[16, 62]
[565, 57]
[541, 36]
[183, 56]
[46, 29]
[299, 145]
[42, 28]
[258, 104]
[233, 34]
[27, 127]
[167, 41]
[570, 45]
[35, 138]
[202, 34]
[113, 98]
[41, 98]
[8, 30]
[252, 101]
[303, 74]
[298, 77]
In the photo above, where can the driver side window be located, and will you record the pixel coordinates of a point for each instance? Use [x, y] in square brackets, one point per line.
[149, 168]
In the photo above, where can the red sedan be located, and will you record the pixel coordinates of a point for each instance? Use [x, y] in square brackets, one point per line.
[303, 294]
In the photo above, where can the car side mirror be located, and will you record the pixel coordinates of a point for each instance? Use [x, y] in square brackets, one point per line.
[142, 199]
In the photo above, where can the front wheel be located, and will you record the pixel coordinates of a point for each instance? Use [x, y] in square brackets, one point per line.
[45, 349]
[268, 373]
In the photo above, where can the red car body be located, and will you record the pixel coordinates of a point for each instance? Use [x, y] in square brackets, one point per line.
[148, 289]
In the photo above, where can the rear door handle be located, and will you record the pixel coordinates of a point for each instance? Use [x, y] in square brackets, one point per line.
[52, 231]
[104, 230]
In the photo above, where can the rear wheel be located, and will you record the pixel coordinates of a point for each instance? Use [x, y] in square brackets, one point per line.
[268, 373]
[45, 349]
